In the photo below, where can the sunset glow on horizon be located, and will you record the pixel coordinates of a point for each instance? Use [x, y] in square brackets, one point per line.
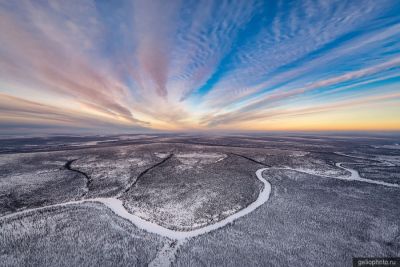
[141, 66]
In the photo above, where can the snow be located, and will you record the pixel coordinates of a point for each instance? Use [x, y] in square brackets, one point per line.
[195, 158]
[167, 254]
[133, 137]
[355, 176]
[162, 155]
[118, 208]
[394, 146]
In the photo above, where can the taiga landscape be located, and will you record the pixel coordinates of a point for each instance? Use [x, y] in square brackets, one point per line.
[200, 133]
[199, 200]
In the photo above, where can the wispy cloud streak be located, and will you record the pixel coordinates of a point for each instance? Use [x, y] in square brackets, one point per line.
[246, 112]
[187, 65]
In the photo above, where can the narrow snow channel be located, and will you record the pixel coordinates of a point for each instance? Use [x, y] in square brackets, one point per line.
[355, 176]
[166, 256]
[117, 207]
[168, 252]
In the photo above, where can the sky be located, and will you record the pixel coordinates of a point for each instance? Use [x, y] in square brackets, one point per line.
[199, 66]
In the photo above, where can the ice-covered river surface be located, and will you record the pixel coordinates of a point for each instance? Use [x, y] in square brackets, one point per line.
[296, 196]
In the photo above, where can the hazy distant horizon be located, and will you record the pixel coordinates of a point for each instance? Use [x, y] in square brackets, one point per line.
[350, 134]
